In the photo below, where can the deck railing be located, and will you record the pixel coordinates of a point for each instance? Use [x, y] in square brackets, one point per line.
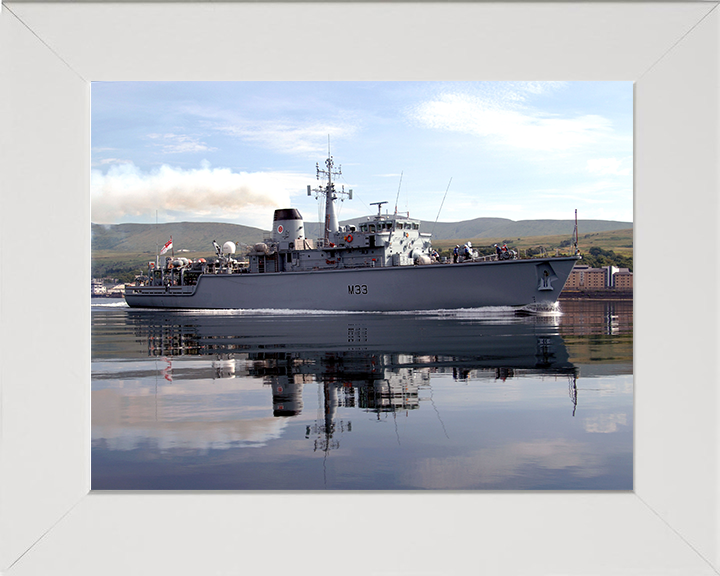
[160, 289]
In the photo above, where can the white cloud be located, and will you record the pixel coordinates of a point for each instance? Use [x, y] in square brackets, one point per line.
[610, 197]
[180, 143]
[536, 88]
[291, 130]
[307, 139]
[509, 123]
[126, 192]
[106, 161]
[610, 166]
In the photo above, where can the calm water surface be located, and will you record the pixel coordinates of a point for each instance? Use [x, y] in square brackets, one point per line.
[467, 400]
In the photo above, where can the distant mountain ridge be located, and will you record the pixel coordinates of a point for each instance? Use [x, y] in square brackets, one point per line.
[499, 227]
[198, 236]
[192, 236]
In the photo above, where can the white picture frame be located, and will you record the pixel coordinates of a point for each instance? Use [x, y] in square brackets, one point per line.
[50, 522]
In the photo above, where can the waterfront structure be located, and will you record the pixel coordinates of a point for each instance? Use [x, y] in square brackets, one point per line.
[584, 277]
[610, 272]
[623, 279]
[97, 288]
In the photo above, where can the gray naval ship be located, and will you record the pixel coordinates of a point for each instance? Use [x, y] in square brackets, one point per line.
[383, 264]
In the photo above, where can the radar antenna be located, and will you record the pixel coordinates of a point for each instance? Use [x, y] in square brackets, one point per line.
[379, 205]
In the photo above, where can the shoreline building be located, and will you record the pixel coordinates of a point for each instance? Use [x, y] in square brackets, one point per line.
[623, 279]
[585, 277]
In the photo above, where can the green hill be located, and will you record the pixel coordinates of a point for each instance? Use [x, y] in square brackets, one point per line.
[620, 241]
[498, 228]
[192, 236]
[198, 236]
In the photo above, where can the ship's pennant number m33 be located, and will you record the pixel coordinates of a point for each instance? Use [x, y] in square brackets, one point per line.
[357, 289]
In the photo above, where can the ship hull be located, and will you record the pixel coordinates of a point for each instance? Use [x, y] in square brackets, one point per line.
[431, 287]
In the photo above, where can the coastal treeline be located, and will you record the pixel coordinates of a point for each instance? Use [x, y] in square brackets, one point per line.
[597, 258]
[124, 270]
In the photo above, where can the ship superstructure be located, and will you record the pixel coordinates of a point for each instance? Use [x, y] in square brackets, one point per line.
[382, 241]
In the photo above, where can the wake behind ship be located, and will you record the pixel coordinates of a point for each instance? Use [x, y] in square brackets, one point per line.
[383, 264]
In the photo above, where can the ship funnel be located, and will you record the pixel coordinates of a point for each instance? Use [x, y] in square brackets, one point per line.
[288, 225]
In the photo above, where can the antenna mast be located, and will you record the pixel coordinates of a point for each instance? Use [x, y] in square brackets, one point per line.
[441, 205]
[398, 194]
[575, 235]
[157, 244]
[330, 193]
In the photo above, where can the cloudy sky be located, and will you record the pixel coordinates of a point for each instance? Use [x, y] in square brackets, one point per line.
[235, 151]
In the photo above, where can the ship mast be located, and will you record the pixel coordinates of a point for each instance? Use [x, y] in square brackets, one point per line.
[331, 194]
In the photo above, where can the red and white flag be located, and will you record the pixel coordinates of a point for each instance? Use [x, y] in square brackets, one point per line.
[167, 246]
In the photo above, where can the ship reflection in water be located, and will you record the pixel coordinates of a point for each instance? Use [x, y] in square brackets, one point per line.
[464, 400]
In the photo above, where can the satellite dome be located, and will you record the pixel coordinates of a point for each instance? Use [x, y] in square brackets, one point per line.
[228, 248]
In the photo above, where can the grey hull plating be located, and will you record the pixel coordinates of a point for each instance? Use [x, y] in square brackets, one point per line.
[393, 288]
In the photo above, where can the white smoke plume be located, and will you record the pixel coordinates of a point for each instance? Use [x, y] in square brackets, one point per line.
[127, 194]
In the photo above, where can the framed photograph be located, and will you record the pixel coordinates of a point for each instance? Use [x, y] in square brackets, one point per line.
[49, 518]
[344, 334]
